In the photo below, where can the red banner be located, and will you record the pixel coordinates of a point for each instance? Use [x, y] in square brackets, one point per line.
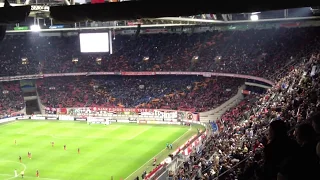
[136, 110]
[133, 23]
[192, 116]
[246, 92]
[62, 111]
[295, 24]
[97, 1]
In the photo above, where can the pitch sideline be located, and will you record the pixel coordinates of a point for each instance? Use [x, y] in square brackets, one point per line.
[157, 155]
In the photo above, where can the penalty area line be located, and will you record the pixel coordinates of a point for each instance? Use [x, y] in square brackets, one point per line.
[141, 132]
[157, 155]
[26, 177]
[24, 168]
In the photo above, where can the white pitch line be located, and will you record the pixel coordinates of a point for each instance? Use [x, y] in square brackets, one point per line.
[8, 123]
[76, 137]
[156, 155]
[27, 176]
[24, 168]
[139, 133]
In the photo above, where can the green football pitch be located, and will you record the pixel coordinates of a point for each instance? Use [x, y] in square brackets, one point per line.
[121, 151]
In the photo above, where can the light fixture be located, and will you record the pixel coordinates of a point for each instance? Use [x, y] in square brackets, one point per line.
[195, 59]
[75, 60]
[98, 60]
[35, 28]
[24, 60]
[254, 17]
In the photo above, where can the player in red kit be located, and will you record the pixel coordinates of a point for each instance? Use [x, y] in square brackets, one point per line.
[78, 150]
[65, 147]
[37, 173]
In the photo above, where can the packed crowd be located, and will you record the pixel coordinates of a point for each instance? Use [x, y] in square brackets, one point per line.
[11, 99]
[272, 138]
[194, 93]
[263, 53]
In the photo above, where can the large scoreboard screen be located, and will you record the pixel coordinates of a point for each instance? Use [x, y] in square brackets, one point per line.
[94, 42]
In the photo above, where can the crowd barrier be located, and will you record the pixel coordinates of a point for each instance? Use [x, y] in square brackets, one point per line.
[120, 113]
[77, 118]
[184, 149]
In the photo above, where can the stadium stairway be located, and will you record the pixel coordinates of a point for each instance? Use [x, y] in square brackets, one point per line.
[216, 113]
[41, 106]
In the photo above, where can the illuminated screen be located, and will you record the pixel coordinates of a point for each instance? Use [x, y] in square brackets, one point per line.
[94, 42]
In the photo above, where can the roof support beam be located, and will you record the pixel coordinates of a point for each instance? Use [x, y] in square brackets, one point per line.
[67, 2]
[240, 21]
[27, 2]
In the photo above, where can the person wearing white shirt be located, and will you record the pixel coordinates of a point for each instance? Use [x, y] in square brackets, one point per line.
[15, 173]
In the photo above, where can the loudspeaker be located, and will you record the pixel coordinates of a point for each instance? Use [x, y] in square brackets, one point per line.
[3, 29]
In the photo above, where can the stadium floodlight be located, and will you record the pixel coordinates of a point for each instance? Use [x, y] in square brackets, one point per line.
[146, 58]
[98, 60]
[24, 60]
[254, 17]
[75, 60]
[35, 28]
[218, 59]
[194, 59]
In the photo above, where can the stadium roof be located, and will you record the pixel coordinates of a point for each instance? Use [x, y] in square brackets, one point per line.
[164, 8]
[169, 13]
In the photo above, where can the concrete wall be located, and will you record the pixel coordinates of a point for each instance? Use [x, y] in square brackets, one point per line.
[217, 112]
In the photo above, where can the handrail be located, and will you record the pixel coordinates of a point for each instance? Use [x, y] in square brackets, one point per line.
[155, 174]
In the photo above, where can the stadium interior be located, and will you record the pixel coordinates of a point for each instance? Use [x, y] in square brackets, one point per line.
[184, 93]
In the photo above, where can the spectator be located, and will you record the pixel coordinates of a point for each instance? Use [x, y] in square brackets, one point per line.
[279, 148]
[305, 163]
[267, 52]
[189, 93]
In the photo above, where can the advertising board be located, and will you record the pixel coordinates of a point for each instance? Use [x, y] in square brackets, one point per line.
[125, 121]
[7, 120]
[132, 120]
[38, 117]
[153, 122]
[80, 118]
[52, 117]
